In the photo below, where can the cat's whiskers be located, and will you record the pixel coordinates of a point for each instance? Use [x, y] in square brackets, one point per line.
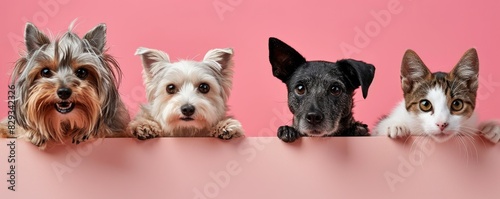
[406, 140]
[461, 139]
[472, 133]
[468, 134]
[419, 141]
[416, 140]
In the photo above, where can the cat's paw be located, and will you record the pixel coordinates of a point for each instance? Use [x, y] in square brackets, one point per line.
[288, 133]
[145, 129]
[227, 129]
[394, 130]
[490, 130]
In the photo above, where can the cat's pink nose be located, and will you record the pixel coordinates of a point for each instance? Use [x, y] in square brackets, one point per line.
[442, 126]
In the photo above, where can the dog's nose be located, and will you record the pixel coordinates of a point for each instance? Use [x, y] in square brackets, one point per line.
[187, 109]
[314, 117]
[64, 93]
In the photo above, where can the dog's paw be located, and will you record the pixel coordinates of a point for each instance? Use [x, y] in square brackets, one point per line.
[4, 131]
[77, 139]
[37, 139]
[227, 129]
[288, 133]
[490, 130]
[361, 129]
[144, 130]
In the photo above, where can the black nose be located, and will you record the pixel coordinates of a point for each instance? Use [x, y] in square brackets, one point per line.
[187, 109]
[64, 93]
[314, 117]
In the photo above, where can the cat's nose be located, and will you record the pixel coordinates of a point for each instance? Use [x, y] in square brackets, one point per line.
[442, 126]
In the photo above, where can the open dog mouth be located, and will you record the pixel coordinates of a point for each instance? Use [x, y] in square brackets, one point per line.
[187, 119]
[64, 107]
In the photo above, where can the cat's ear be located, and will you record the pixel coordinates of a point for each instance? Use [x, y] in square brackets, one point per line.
[284, 59]
[413, 70]
[467, 69]
[358, 73]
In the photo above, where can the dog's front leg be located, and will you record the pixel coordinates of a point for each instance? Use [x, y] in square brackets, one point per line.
[4, 131]
[361, 129]
[144, 129]
[288, 133]
[227, 129]
[36, 138]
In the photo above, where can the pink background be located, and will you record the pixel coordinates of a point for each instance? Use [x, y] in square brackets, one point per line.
[439, 31]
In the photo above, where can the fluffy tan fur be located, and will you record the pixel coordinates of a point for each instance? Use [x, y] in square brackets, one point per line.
[80, 65]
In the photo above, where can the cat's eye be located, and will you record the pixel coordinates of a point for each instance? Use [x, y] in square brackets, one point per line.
[425, 105]
[300, 89]
[203, 88]
[335, 90]
[171, 89]
[457, 105]
[45, 72]
[82, 73]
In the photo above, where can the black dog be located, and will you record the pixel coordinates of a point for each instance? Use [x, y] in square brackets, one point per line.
[320, 93]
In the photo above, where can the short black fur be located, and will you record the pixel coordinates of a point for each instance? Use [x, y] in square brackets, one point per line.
[320, 93]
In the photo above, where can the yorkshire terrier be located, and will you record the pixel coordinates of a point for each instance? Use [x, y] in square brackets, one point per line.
[67, 89]
[186, 98]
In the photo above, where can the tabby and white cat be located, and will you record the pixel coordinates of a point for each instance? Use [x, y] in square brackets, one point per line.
[437, 104]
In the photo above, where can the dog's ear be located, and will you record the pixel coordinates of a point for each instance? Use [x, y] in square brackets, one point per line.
[150, 57]
[97, 37]
[358, 73]
[224, 60]
[221, 56]
[413, 69]
[34, 38]
[284, 59]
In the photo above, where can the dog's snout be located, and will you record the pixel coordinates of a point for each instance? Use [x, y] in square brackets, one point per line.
[64, 93]
[187, 109]
[314, 117]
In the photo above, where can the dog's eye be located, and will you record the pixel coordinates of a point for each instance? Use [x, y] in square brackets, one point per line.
[45, 72]
[335, 90]
[82, 73]
[203, 88]
[300, 89]
[457, 105]
[171, 89]
[425, 105]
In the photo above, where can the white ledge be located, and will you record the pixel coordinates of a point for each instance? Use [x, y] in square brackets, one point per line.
[256, 167]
